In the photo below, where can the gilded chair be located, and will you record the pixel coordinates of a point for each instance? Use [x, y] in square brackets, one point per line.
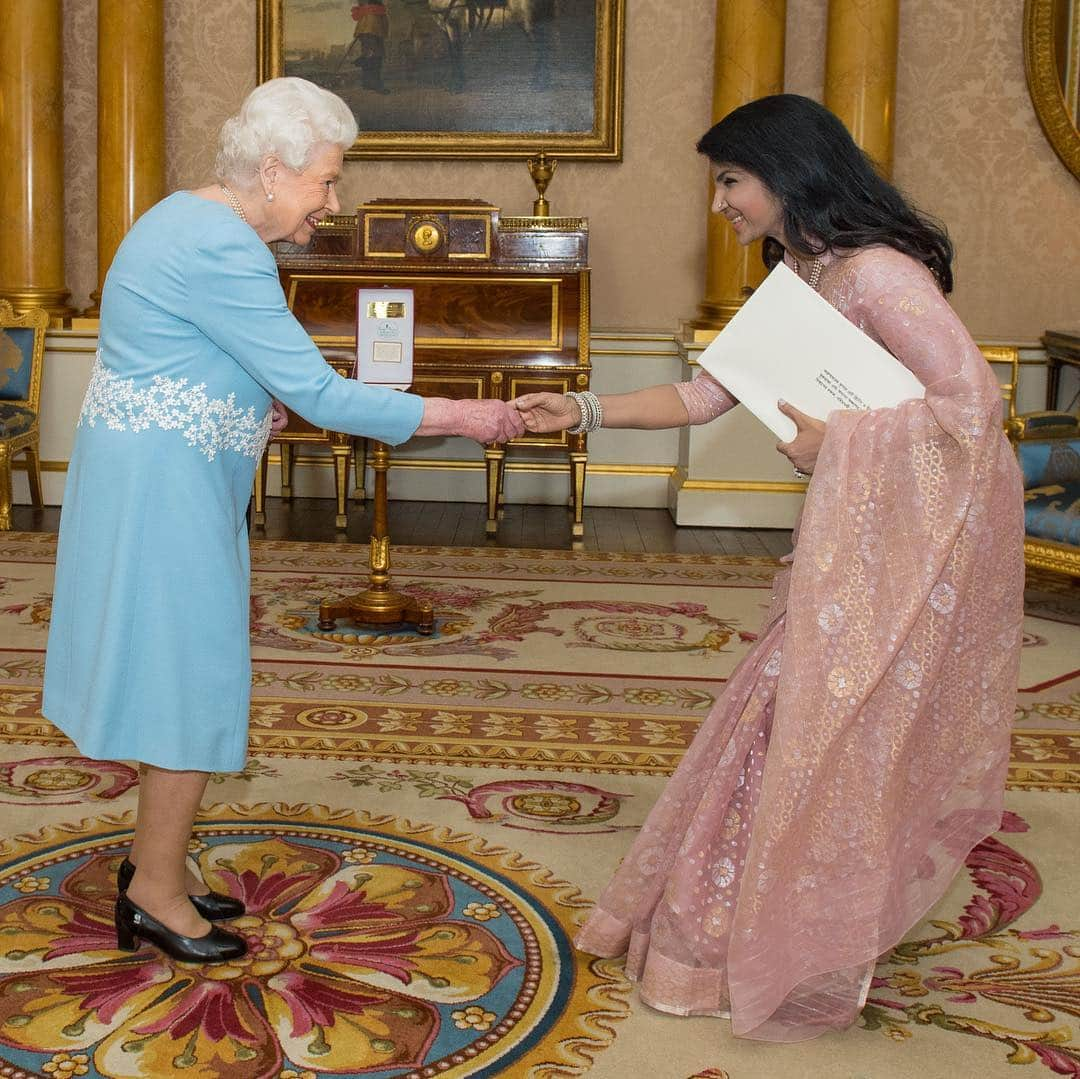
[1048, 448]
[22, 350]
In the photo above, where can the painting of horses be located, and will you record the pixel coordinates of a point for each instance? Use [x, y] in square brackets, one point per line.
[459, 78]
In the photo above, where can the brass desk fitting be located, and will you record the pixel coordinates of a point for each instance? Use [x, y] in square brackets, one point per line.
[541, 169]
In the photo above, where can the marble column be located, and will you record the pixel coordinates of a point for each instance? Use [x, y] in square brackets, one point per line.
[131, 121]
[32, 156]
[860, 72]
[749, 63]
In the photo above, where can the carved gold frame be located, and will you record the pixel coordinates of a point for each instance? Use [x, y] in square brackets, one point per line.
[1043, 85]
[604, 142]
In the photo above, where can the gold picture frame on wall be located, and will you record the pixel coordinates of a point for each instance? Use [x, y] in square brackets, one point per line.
[459, 78]
[1051, 59]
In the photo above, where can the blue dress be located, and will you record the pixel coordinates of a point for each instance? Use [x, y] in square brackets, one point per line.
[148, 656]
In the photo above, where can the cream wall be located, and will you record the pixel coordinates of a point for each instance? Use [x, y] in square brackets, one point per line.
[968, 148]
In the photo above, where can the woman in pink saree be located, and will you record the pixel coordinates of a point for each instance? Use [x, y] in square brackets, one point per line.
[858, 752]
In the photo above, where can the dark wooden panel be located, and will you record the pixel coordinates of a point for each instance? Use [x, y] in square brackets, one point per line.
[517, 319]
[385, 233]
[462, 387]
[522, 384]
[514, 312]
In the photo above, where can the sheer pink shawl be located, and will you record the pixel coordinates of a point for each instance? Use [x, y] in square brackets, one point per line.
[897, 685]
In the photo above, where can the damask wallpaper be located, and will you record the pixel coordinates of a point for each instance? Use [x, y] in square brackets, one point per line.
[968, 149]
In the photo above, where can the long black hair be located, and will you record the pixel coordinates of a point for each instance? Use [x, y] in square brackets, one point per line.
[833, 196]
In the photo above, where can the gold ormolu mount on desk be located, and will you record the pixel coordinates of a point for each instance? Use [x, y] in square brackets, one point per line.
[378, 603]
[541, 169]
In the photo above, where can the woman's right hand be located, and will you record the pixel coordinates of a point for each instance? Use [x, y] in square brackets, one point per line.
[546, 412]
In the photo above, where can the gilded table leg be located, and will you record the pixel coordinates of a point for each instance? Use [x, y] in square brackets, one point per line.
[258, 515]
[33, 475]
[578, 460]
[5, 487]
[286, 469]
[359, 450]
[494, 458]
[341, 483]
[501, 497]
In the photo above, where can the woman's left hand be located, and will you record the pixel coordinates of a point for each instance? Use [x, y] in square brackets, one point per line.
[280, 419]
[803, 449]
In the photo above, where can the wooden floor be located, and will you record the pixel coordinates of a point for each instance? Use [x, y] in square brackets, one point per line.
[461, 524]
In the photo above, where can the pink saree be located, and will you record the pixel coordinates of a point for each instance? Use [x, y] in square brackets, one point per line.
[858, 753]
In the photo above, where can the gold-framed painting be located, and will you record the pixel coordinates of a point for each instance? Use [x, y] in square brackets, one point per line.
[459, 78]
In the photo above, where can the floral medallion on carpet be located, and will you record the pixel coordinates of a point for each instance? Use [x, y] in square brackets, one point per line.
[376, 948]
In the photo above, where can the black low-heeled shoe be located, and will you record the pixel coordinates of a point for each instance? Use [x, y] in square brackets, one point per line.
[133, 924]
[213, 906]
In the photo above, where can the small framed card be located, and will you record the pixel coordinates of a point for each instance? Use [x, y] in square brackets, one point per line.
[384, 336]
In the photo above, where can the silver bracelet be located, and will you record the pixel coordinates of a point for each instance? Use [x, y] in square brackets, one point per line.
[592, 412]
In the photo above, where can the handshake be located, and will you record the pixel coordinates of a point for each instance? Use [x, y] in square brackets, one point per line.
[483, 421]
[498, 421]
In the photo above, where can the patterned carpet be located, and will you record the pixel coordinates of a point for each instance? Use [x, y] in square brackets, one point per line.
[423, 820]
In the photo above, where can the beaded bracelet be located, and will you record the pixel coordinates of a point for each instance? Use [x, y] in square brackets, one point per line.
[592, 412]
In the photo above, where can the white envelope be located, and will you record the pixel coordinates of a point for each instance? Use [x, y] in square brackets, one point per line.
[787, 343]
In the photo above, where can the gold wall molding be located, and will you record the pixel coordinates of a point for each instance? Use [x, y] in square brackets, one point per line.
[681, 481]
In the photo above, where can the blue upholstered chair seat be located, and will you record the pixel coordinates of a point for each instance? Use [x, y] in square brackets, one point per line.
[1051, 467]
[1048, 449]
[1050, 460]
[15, 420]
[1052, 512]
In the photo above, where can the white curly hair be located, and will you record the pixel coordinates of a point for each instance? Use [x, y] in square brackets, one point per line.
[288, 117]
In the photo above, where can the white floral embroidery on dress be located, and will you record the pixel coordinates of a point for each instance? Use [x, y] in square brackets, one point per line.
[211, 424]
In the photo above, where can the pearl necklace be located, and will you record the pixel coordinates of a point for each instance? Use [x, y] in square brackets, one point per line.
[815, 273]
[234, 202]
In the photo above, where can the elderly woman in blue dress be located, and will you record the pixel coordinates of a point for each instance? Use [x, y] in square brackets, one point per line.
[148, 655]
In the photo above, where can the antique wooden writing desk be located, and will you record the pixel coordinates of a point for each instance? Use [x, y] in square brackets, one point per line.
[501, 308]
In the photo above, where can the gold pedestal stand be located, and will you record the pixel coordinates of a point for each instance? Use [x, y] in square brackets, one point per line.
[378, 604]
